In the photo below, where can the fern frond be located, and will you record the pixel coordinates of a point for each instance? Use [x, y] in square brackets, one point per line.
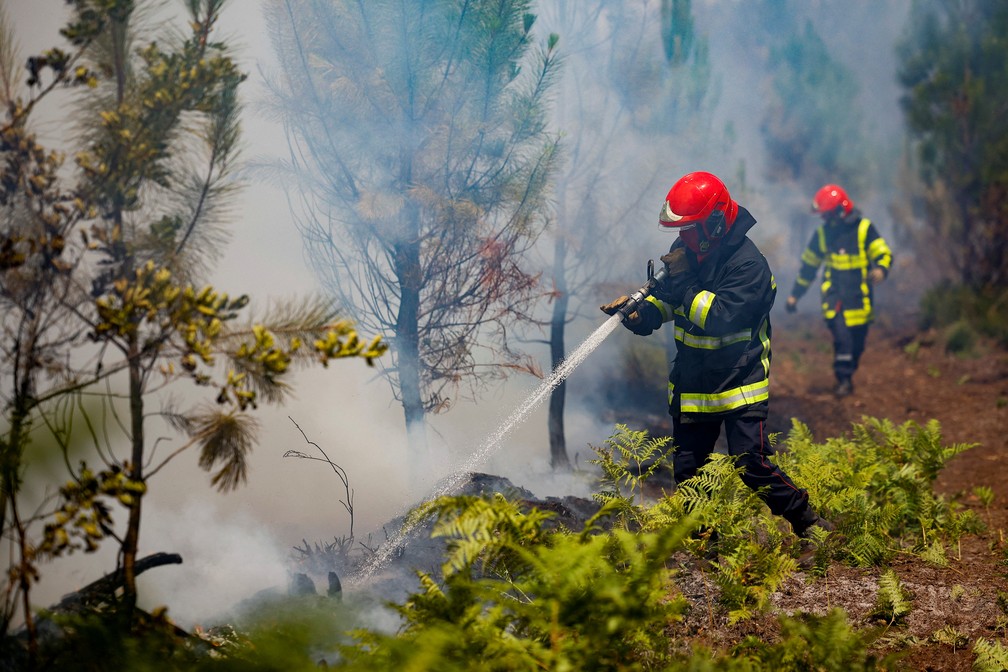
[991, 656]
[892, 603]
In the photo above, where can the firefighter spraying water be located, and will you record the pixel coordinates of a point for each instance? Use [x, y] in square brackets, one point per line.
[716, 293]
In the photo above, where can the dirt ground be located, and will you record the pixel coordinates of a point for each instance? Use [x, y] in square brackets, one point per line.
[906, 374]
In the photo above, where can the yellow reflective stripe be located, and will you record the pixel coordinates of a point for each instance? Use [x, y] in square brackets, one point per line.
[711, 342]
[811, 258]
[725, 401]
[862, 233]
[852, 317]
[661, 306]
[802, 282]
[671, 391]
[773, 281]
[764, 338]
[880, 253]
[700, 306]
[847, 262]
[856, 317]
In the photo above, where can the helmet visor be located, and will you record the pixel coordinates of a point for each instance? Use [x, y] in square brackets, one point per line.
[667, 218]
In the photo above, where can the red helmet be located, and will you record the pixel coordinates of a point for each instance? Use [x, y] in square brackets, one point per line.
[689, 207]
[831, 199]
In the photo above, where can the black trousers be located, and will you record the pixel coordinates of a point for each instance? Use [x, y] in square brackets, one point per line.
[848, 346]
[749, 444]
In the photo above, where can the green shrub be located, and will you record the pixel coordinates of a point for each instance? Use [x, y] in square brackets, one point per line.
[581, 601]
[515, 594]
[808, 642]
[960, 338]
[983, 311]
[877, 485]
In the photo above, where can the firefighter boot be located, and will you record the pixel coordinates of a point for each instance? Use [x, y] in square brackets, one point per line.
[807, 546]
[844, 387]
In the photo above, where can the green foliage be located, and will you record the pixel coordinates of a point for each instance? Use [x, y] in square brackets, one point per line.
[669, 90]
[960, 339]
[627, 459]
[99, 269]
[892, 604]
[733, 522]
[481, 530]
[95, 642]
[812, 131]
[677, 30]
[985, 494]
[808, 642]
[991, 656]
[546, 605]
[427, 150]
[968, 312]
[954, 70]
[515, 595]
[878, 485]
[84, 514]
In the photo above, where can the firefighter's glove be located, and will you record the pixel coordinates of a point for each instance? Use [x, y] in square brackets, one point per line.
[791, 305]
[676, 262]
[673, 288]
[876, 275]
[636, 321]
[613, 307]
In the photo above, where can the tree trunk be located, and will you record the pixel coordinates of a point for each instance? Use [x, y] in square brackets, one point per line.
[558, 324]
[11, 459]
[131, 541]
[407, 344]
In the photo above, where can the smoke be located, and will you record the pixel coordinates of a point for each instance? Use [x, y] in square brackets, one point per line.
[227, 558]
[237, 544]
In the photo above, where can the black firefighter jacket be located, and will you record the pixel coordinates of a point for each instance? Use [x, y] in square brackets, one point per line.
[722, 331]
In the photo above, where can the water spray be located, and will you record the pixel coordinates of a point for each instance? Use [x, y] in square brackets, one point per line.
[551, 382]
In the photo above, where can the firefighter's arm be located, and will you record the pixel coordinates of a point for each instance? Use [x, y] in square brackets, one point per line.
[733, 305]
[879, 255]
[811, 260]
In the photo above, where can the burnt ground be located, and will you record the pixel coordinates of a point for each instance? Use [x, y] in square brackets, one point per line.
[905, 375]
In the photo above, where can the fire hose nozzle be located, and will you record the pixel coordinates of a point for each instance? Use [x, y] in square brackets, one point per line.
[638, 297]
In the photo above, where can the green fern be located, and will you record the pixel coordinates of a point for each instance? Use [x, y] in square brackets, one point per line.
[627, 460]
[935, 554]
[586, 601]
[735, 524]
[479, 530]
[748, 575]
[878, 485]
[892, 604]
[825, 643]
[991, 656]
[950, 636]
